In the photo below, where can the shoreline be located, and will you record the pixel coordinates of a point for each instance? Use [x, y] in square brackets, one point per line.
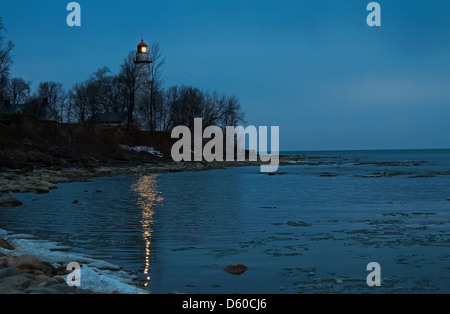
[41, 180]
[34, 266]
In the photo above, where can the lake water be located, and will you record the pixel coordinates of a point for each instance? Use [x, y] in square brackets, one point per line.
[313, 228]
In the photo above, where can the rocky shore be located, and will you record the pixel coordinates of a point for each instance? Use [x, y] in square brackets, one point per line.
[43, 180]
[25, 274]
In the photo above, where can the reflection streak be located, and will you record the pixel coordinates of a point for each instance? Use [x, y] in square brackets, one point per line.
[149, 196]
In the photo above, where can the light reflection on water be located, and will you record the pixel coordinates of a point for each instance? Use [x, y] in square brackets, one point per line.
[147, 190]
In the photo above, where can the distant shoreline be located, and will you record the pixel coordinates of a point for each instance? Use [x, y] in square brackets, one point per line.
[41, 180]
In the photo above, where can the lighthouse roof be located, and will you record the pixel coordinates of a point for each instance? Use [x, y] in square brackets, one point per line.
[142, 44]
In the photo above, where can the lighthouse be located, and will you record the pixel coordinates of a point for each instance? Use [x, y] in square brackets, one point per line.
[142, 66]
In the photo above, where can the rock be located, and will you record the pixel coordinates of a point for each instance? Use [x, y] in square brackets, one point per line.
[298, 224]
[44, 278]
[48, 185]
[5, 245]
[44, 281]
[236, 269]
[38, 290]
[48, 269]
[63, 289]
[62, 271]
[4, 261]
[9, 201]
[19, 282]
[8, 272]
[34, 272]
[41, 190]
[76, 202]
[26, 261]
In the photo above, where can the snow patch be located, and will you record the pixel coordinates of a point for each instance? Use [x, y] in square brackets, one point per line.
[146, 149]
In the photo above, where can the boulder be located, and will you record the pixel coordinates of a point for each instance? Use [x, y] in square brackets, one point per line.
[236, 269]
[9, 201]
[8, 272]
[43, 281]
[5, 245]
[48, 269]
[38, 290]
[34, 272]
[48, 185]
[41, 189]
[18, 282]
[63, 288]
[44, 278]
[4, 261]
[27, 261]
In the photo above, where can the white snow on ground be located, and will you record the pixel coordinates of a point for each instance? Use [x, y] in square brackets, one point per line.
[96, 275]
[139, 149]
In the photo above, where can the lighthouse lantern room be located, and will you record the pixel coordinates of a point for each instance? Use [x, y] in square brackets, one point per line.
[142, 54]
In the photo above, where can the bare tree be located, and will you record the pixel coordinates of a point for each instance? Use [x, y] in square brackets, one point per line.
[182, 104]
[189, 106]
[79, 102]
[211, 109]
[36, 106]
[118, 102]
[167, 112]
[5, 63]
[104, 97]
[154, 91]
[19, 90]
[230, 112]
[129, 83]
[55, 97]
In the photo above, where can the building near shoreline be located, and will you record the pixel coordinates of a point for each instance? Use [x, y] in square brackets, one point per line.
[8, 108]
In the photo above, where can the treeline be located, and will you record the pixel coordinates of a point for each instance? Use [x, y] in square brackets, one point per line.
[139, 96]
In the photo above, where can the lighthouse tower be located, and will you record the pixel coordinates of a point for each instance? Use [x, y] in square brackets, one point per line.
[142, 63]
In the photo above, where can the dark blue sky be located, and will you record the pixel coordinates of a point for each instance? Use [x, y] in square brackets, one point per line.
[314, 68]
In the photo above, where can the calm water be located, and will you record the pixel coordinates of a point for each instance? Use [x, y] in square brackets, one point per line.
[312, 229]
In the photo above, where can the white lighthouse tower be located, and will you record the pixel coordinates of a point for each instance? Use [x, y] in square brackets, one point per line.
[142, 63]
